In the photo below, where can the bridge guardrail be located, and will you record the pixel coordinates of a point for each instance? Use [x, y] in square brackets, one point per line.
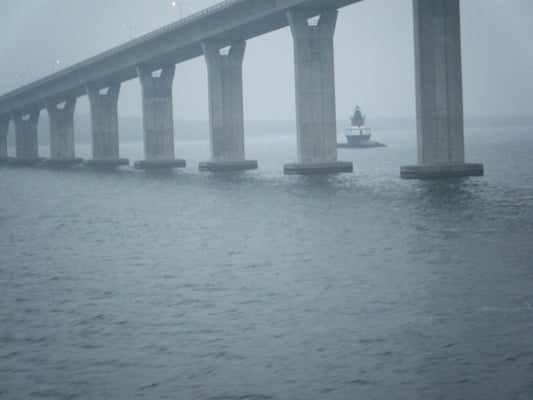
[129, 44]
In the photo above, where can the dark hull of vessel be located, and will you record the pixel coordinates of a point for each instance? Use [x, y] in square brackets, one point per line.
[359, 137]
[356, 139]
[364, 144]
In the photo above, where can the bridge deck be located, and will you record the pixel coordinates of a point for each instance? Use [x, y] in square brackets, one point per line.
[224, 23]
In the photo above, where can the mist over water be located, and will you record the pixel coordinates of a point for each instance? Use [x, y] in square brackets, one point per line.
[256, 285]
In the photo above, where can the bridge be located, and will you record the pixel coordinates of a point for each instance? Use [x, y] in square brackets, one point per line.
[219, 34]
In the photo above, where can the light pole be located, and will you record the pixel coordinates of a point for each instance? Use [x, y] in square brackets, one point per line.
[130, 28]
[56, 65]
[180, 4]
[22, 77]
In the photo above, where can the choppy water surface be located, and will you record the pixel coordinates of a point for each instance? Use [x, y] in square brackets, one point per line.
[256, 285]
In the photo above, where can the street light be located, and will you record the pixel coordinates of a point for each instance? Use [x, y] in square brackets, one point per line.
[131, 28]
[56, 65]
[22, 77]
[180, 4]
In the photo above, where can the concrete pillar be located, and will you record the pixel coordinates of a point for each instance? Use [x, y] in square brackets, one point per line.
[439, 92]
[158, 119]
[62, 132]
[315, 94]
[4, 127]
[27, 147]
[104, 125]
[226, 120]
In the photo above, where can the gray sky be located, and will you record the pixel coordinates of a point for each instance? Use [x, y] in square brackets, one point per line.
[374, 58]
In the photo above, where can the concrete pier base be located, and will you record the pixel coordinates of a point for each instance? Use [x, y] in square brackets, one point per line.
[441, 171]
[439, 93]
[227, 165]
[158, 120]
[61, 133]
[316, 123]
[159, 164]
[64, 162]
[110, 163]
[226, 120]
[26, 143]
[318, 168]
[104, 125]
[26, 162]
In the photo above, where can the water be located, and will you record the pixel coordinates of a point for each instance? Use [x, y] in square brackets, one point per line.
[256, 285]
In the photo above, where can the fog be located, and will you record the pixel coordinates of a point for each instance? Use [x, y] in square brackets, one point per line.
[374, 58]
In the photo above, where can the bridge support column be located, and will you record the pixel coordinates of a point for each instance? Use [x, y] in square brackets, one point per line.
[27, 147]
[439, 97]
[104, 125]
[62, 132]
[158, 119]
[4, 127]
[315, 95]
[226, 121]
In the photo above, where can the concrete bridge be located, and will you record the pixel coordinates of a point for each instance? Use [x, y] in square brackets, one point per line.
[226, 26]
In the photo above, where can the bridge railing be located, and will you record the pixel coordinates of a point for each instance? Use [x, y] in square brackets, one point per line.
[129, 44]
[165, 29]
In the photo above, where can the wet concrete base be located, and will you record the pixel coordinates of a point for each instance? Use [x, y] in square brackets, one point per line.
[318, 168]
[62, 163]
[107, 163]
[159, 164]
[227, 165]
[441, 171]
[26, 162]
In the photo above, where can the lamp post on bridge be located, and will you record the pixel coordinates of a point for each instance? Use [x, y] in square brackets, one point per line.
[179, 4]
[131, 28]
[56, 65]
[22, 76]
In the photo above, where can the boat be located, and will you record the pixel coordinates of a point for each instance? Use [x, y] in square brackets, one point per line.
[358, 134]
